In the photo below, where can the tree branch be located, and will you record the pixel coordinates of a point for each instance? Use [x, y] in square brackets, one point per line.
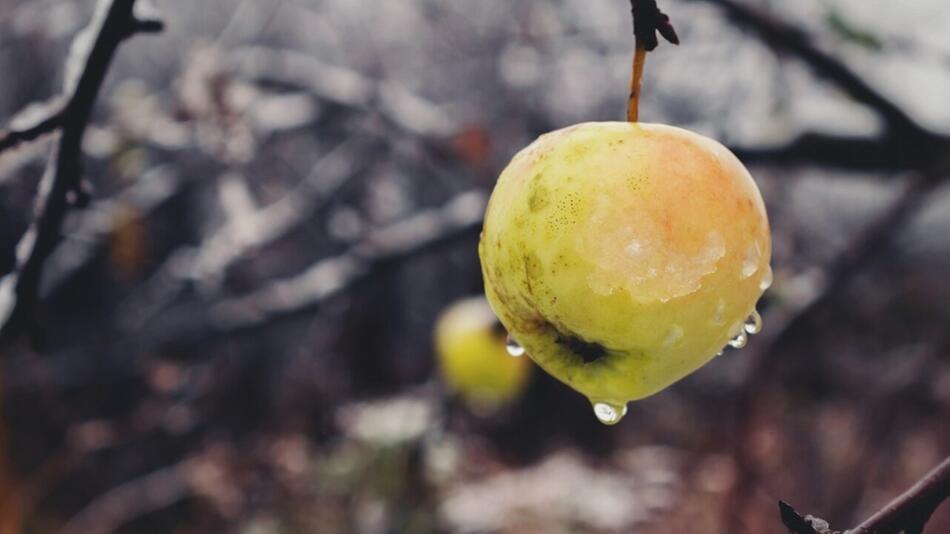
[876, 240]
[61, 185]
[207, 263]
[461, 216]
[131, 500]
[344, 87]
[648, 20]
[798, 524]
[912, 509]
[840, 152]
[907, 513]
[784, 37]
[38, 123]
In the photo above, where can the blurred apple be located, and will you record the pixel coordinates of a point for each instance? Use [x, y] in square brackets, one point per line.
[472, 356]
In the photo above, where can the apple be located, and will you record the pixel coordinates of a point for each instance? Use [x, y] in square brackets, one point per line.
[624, 256]
[473, 358]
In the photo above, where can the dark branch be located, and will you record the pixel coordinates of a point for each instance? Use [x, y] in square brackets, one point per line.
[648, 20]
[786, 38]
[907, 513]
[344, 87]
[461, 216]
[330, 277]
[914, 507]
[875, 241]
[797, 524]
[61, 186]
[131, 500]
[892, 153]
[38, 125]
[207, 263]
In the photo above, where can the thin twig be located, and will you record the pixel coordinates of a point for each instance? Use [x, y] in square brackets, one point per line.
[903, 145]
[154, 189]
[206, 264]
[907, 513]
[648, 20]
[784, 37]
[426, 229]
[857, 153]
[61, 184]
[327, 278]
[876, 240]
[913, 508]
[345, 87]
[47, 122]
[131, 500]
[799, 524]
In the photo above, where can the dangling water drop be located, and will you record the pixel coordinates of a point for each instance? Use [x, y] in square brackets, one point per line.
[741, 339]
[513, 348]
[609, 414]
[753, 323]
[767, 278]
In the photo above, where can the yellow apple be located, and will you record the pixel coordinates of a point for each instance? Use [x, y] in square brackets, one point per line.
[623, 256]
[473, 359]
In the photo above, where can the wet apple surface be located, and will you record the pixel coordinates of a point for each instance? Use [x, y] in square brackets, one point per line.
[623, 256]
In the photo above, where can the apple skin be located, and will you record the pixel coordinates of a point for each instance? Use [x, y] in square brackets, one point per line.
[624, 256]
[472, 357]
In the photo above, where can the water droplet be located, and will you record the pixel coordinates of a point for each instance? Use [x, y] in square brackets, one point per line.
[609, 414]
[513, 348]
[753, 323]
[740, 340]
[767, 278]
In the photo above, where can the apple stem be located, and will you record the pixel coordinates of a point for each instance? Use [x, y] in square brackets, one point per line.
[648, 21]
[636, 82]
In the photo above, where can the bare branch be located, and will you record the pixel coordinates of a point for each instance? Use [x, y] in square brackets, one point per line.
[208, 262]
[131, 500]
[907, 513]
[154, 189]
[326, 278]
[32, 123]
[345, 87]
[460, 217]
[798, 524]
[876, 240]
[784, 37]
[327, 179]
[61, 185]
[851, 153]
[911, 510]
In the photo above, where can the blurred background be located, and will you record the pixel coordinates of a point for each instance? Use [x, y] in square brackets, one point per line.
[238, 333]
